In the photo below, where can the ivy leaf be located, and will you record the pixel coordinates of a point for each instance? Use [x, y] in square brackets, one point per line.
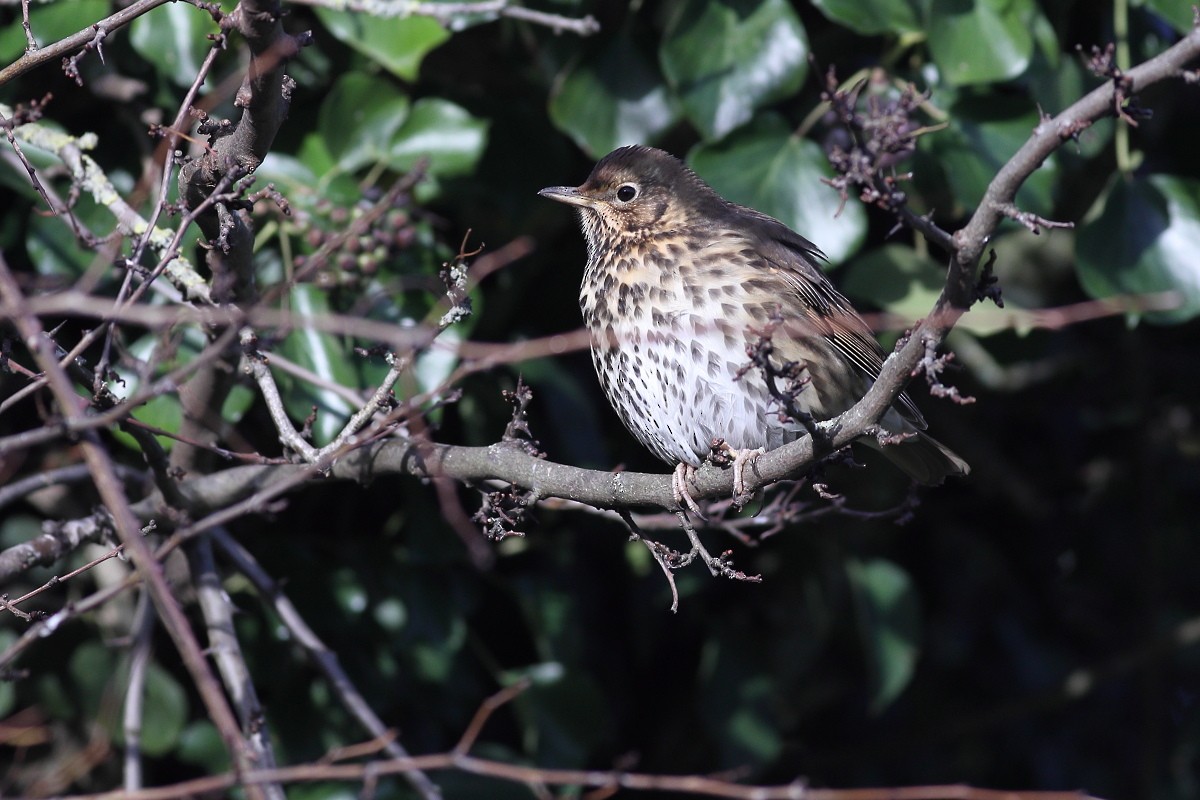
[165, 712]
[1145, 241]
[888, 623]
[49, 23]
[444, 133]
[727, 58]
[981, 41]
[323, 354]
[173, 39]
[358, 118]
[1178, 13]
[873, 17]
[767, 167]
[398, 43]
[981, 137]
[903, 282]
[615, 98]
[164, 411]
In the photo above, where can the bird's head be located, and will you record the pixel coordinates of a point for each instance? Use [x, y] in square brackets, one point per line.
[634, 191]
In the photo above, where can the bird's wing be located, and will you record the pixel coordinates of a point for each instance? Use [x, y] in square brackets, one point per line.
[834, 316]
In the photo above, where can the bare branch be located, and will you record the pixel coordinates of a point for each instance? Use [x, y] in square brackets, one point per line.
[141, 649]
[690, 785]
[36, 57]
[111, 493]
[216, 607]
[449, 13]
[324, 658]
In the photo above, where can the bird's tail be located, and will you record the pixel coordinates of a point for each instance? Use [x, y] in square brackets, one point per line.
[923, 458]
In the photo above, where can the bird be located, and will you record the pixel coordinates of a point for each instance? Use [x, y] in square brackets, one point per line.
[680, 284]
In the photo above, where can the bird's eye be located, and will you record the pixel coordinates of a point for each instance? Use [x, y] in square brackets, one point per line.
[626, 192]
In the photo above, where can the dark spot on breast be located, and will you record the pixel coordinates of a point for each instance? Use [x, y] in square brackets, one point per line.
[714, 366]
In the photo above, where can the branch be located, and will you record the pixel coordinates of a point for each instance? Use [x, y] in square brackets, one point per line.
[34, 58]
[1047, 137]
[325, 659]
[610, 781]
[449, 13]
[108, 485]
[237, 151]
[87, 174]
[961, 288]
[216, 607]
[139, 660]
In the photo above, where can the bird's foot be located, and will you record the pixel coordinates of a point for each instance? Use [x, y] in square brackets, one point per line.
[738, 460]
[679, 487]
[741, 460]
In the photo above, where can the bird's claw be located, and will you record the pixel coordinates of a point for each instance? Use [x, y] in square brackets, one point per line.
[679, 488]
[741, 460]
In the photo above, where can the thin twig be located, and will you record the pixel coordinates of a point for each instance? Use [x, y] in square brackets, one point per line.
[223, 644]
[111, 492]
[140, 651]
[324, 658]
[449, 12]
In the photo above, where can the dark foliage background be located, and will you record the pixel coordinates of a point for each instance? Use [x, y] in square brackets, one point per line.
[1031, 627]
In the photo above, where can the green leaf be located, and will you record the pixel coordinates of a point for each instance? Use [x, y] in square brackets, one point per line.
[434, 366]
[8, 692]
[54, 249]
[543, 673]
[52, 244]
[173, 39]
[1145, 241]
[92, 674]
[740, 705]
[321, 353]
[873, 17]
[433, 658]
[312, 179]
[617, 97]
[726, 58]
[1056, 87]
[888, 623]
[1176, 12]
[200, 744]
[50, 23]
[164, 410]
[398, 43]
[165, 710]
[895, 278]
[983, 134]
[566, 715]
[981, 41]
[358, 118]
[295, 178]
[444, 133]
[898, 279]
[767, 167]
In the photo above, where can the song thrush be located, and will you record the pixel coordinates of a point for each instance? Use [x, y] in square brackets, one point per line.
[679, 282]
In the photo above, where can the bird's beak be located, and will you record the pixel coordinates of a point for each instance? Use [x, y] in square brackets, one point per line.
[571, 195]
